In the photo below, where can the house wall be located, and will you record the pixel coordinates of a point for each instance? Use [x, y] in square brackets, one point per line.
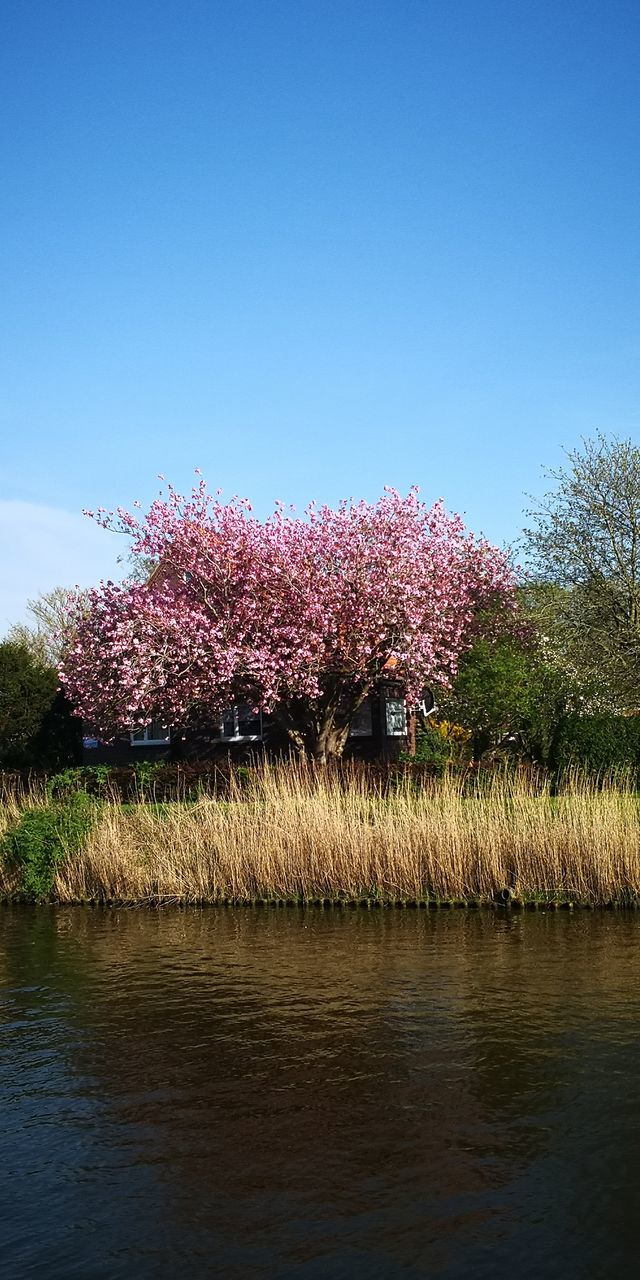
[387, 711]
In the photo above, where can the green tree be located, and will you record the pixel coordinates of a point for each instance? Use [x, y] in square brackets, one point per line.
[37, 729]
[491, 695]
[511, 697]
[583, 548]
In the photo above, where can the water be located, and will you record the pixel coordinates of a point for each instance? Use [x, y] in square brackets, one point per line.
[321, 1094]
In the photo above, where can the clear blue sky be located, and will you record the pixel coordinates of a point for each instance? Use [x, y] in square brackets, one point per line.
[312, 247]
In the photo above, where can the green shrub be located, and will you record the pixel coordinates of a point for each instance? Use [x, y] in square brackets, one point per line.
[599, 743]
[90, 779]
[42, 839]
[432, 747]
[155, 780]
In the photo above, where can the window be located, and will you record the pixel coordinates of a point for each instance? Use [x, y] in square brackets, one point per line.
[396, 717]
[154, 734]
[362, 723]
[239, 723]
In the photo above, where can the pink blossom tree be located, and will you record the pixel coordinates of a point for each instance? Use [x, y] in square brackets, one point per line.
[295, 615]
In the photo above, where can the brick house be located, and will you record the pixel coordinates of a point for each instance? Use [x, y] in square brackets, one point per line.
[382, 727]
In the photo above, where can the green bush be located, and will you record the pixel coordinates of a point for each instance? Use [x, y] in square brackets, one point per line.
[599, 743]
[89, 779]
[155, 780]
[42, 839]
[431, 747]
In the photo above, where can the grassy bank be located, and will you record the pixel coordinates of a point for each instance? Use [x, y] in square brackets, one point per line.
[294, 834]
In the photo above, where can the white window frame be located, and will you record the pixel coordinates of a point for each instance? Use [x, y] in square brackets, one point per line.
[395, 733]
[236, 736]
[146, 741]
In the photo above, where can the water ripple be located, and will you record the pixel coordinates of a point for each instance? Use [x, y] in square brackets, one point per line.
[318, 1095]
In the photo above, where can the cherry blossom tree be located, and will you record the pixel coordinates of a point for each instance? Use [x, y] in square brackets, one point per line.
[295, 615]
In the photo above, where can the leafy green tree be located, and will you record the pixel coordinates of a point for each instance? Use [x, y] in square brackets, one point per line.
[37, 729]
[583, 548]
[492, 694]
[511, 697]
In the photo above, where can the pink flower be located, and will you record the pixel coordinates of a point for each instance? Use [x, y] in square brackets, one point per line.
[277, 611]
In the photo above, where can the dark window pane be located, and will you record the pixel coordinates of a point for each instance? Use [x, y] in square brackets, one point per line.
[157, 731]
[229, 723]
[249, 723]
[362, 723]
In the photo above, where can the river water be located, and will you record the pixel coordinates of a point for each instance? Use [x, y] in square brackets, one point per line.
[319, 1094]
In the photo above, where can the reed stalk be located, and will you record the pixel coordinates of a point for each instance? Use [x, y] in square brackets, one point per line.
[300, 833]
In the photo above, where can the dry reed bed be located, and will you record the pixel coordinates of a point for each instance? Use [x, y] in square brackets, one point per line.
[10, 810]
[293, 833]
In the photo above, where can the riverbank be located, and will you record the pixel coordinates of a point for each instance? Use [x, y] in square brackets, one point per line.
[294, 835]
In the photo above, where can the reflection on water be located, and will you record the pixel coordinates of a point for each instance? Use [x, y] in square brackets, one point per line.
[320, 1094]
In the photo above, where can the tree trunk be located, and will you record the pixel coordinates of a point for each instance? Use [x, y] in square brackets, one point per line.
[328, 743]
[321, 731]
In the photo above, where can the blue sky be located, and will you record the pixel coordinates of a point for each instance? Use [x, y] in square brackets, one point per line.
[312, 247]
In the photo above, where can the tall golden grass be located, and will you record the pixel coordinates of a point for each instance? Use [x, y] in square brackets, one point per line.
[298, 833]
[11, 807]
